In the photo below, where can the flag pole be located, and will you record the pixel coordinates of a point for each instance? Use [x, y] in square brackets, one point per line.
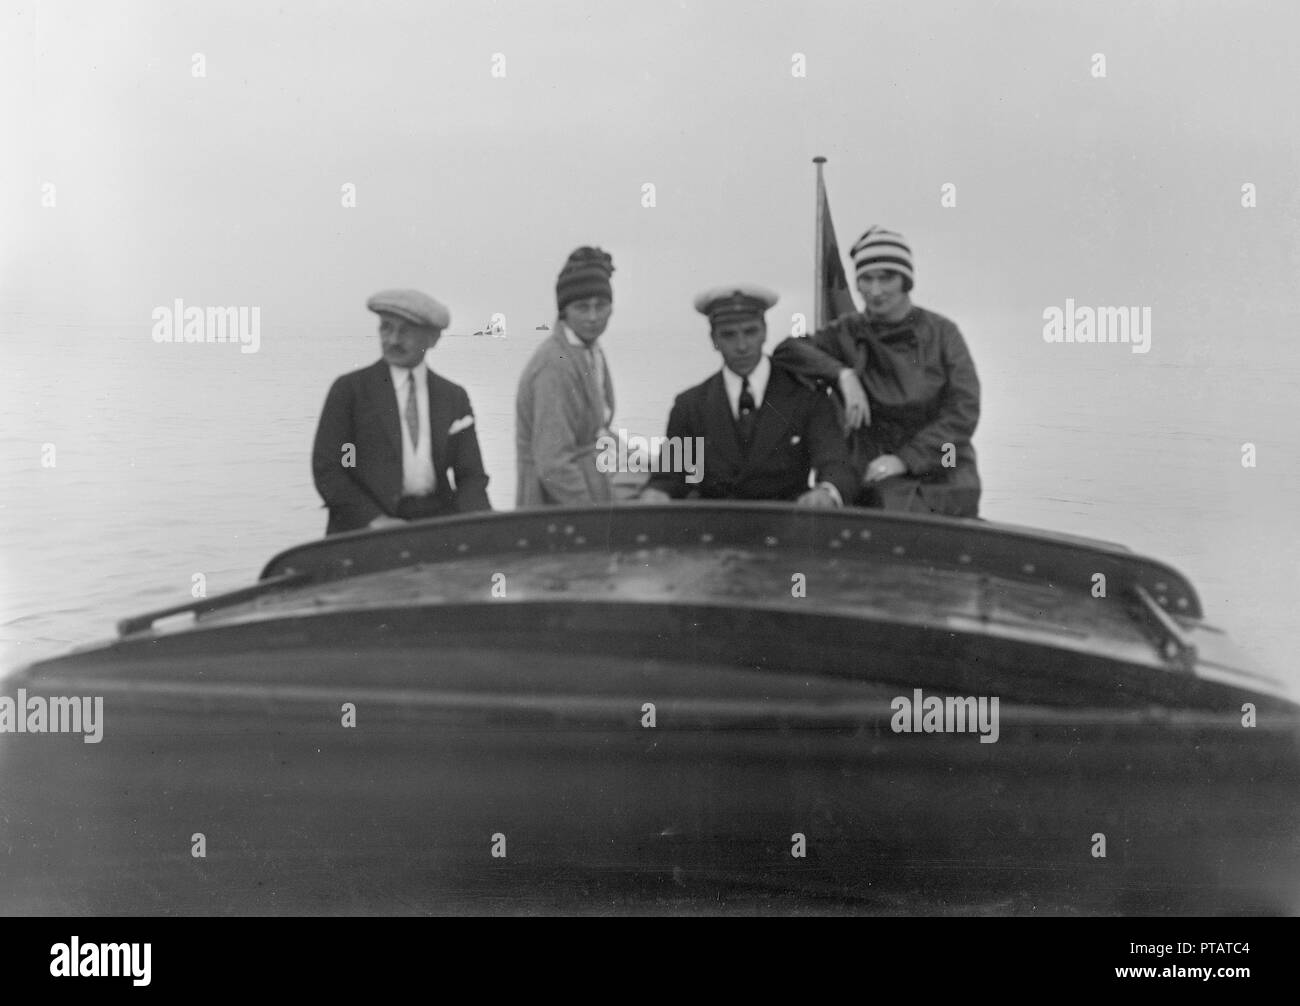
[818, 308]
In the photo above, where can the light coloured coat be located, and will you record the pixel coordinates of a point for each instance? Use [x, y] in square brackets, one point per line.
[559, 416]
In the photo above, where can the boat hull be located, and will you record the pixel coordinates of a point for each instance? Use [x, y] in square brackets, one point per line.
[649, 716]
[545, 754]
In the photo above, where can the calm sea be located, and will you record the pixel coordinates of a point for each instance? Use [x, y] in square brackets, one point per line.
[174, 460]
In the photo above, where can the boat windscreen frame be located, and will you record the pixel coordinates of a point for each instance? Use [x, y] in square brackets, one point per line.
[966, 545]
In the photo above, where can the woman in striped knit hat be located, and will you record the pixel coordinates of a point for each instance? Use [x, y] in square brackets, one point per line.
[912, 429]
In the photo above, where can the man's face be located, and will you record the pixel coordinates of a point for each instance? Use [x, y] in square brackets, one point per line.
[404, 343]
[587, 318]
[882, 293]
[741, 343]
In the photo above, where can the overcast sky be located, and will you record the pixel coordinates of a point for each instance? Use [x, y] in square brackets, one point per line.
[226, 188]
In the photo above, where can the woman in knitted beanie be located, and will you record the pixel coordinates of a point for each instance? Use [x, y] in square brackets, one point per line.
[565, 400]
[912, 429]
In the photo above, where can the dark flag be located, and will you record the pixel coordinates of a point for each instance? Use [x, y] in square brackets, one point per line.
[832, 289]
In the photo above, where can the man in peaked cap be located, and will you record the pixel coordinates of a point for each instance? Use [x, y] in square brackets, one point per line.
[763, 432]
[393, 435]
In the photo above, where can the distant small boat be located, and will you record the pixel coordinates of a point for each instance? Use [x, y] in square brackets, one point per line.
[542, 328]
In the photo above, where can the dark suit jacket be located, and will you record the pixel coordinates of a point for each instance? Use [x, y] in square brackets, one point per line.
[361, 409]
[797, 431]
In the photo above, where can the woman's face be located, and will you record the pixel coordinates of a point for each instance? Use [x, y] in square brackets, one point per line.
[882, 292]
[587, 318]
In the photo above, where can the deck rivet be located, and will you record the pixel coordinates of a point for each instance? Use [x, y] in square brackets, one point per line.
[462, 547]
[836, 543]
[963, 558]
[1164, 601]
[522, 543]
[1161, 587]
[641, 539]
[1182, 602]
[1028, 567]
[846, 534]
[347, 563]
[404, 554]
[580, 540]
[770, 540]
[550, 529]
[899, 550]
[568, 529]
[864, 535]
[706, 538]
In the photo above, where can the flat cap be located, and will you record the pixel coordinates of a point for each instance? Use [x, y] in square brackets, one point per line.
[738, 300]
[416, 307]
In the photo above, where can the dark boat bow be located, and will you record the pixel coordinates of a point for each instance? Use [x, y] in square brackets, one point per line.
[649, 704]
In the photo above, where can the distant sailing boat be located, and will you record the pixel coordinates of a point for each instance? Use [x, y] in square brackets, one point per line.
[542, 328]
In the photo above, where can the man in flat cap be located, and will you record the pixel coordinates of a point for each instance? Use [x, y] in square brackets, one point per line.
[763, 432]
[565, 400]
[396, 442]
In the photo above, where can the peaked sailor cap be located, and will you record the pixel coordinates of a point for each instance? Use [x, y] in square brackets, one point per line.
[738, 300]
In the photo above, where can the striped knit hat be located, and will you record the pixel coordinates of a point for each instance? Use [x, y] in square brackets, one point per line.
[882, 249]
[585, 274]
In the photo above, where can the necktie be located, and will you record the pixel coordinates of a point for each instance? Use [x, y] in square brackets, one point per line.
[748, 417]
[412, 410]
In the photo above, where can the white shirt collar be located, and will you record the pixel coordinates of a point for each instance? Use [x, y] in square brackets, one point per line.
[757, 384]
[573, 339]
[400, 373]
